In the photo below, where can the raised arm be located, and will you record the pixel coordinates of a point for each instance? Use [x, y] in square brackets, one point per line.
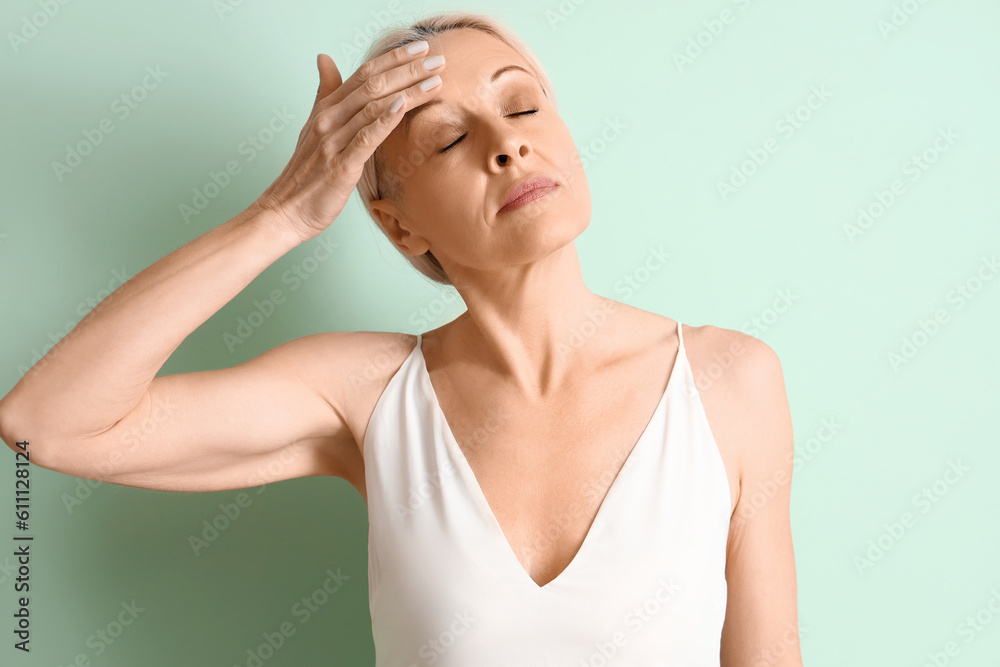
[91, 407]
[94, 403]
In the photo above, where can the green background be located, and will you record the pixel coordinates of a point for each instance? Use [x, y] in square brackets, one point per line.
[659, 136]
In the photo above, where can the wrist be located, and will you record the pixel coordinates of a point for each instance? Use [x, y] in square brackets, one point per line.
[274, 225]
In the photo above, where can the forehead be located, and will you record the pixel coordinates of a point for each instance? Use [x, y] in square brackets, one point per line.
[472, 56]
[470, 47]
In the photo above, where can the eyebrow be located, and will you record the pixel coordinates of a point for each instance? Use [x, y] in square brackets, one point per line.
[437, 100]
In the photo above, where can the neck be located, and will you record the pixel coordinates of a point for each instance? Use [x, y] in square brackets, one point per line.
[530, 321]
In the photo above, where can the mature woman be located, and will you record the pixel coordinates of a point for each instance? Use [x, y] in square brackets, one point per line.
[547, 483]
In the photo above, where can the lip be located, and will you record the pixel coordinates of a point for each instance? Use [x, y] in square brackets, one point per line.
[527, 191]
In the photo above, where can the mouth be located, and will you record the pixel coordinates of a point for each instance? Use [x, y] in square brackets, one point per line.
[527, 192]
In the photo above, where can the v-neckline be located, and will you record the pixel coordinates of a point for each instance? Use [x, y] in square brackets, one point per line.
[476, 488]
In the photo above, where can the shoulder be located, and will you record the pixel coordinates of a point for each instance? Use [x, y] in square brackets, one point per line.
[744, 396]
[349, 369]
[741, 385]
[359, 359]
[355, 357]
[731, 359]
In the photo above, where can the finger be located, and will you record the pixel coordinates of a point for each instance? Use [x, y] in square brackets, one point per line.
[329, 81]
[368, 138]
[370, 112]
[363, 105]
[376, 67]
[329, 76]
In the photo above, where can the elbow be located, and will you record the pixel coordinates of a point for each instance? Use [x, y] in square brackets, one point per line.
[19, 436]
[8, 432]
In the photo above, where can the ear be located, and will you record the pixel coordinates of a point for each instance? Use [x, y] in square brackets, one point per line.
[398, 228]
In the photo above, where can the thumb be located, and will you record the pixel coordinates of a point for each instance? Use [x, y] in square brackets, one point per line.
[329, 76]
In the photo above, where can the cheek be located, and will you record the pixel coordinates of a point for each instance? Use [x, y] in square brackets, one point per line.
[569, 161]
[446, 201]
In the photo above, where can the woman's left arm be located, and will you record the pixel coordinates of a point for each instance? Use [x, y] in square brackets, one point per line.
[761, 626]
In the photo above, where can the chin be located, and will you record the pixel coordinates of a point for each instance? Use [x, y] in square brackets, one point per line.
[554, 229]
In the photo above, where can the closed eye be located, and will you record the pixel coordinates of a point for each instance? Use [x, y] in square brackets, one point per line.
[519, 113]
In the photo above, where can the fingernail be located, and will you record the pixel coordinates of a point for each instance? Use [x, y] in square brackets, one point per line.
[396, 104]
[427, 84]
[413, 48]
[434, 61]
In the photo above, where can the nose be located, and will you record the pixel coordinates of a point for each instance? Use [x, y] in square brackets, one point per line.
[503, 159]
[510, 147]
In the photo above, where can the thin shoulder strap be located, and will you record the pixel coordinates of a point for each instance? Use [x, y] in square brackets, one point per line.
[680, 337]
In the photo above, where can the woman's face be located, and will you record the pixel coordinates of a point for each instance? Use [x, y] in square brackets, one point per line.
[446, 155]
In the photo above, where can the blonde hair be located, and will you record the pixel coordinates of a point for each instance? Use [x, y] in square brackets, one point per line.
[378, 181]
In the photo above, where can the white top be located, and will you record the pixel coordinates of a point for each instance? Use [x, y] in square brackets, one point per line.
[647, 587]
